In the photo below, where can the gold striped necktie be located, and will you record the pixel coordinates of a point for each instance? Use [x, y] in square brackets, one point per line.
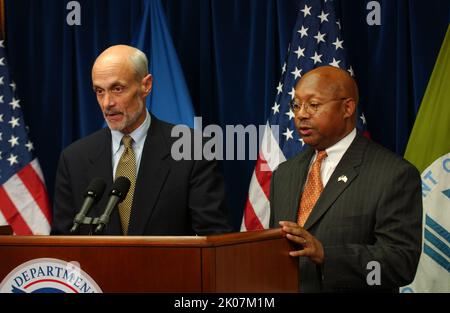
[127, 168]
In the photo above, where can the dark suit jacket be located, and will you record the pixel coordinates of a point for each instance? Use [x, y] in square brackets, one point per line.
[375, 216]
[171, 197]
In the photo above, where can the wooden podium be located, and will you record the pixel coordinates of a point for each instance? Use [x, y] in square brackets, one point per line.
[255, 261]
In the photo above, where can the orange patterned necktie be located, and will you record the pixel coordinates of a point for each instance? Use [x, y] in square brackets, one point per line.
[312, 190]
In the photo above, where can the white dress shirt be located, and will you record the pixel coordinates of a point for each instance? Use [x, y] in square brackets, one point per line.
[138, 135]
[334, 156]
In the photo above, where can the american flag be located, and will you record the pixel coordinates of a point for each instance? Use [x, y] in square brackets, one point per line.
[23, 197]
[316, 41]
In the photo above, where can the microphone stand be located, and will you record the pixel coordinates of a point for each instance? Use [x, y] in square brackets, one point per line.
[93, 222]
[117, 195]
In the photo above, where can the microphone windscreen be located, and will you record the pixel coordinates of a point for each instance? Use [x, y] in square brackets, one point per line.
[96, 188]
[120, 187]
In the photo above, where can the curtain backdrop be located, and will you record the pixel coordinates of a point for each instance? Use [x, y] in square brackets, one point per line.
[231, 52]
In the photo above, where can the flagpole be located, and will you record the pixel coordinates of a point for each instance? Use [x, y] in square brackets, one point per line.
[2, 19]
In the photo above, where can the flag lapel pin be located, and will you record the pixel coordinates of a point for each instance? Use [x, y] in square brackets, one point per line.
[343, 178]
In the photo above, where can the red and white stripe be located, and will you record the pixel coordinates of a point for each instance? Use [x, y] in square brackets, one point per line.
[257, 208]
[24, 202]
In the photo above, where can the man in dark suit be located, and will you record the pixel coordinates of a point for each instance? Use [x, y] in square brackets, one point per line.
[167, 197]
[353, 208]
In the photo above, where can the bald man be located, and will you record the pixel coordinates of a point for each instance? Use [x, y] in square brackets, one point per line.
[167, 197]
[353, 208]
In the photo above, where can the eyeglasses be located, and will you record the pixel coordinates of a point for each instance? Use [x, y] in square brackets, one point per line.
[310, 107]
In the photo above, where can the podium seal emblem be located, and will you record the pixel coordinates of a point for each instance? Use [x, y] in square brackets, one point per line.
[46, 275]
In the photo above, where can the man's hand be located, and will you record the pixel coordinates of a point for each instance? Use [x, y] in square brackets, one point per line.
[312, 248]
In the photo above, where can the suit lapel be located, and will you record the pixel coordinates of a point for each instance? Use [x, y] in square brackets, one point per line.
[153, 171]
[101, 166]
[344, 174]
[299, 174]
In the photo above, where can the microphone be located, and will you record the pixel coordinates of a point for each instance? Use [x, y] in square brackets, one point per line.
[93, 193]
[118, 193]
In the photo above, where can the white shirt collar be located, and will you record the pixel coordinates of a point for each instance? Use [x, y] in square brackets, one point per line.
[334, 156]
[336, 151]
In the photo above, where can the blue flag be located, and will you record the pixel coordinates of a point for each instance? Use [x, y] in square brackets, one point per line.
[169, 99]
